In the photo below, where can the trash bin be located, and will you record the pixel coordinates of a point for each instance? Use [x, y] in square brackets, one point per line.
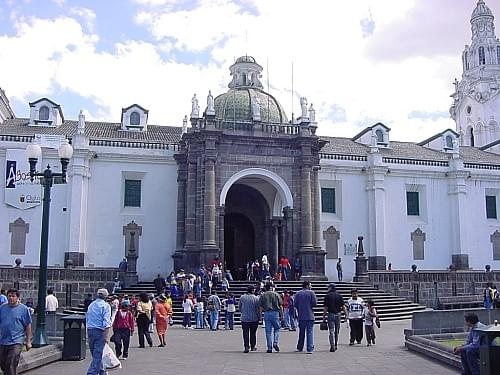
[489, 350]
[75, 342]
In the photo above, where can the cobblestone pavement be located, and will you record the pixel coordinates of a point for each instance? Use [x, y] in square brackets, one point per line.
[221, 352]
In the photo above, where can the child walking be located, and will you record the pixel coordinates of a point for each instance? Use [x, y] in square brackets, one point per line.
[371, 316]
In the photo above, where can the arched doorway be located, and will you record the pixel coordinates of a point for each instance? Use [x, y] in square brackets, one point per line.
[239, 242]
[246, 227]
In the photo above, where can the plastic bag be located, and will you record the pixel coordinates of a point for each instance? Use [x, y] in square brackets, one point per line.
[109, 359]
[151, 328]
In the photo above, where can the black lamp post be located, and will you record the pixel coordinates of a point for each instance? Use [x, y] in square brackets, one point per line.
[47, 178]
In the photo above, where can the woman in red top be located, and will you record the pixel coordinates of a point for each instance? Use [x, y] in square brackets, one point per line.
[123, 328]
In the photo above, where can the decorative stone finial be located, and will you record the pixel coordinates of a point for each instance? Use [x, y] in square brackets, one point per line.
[18, 262]
[195, 108]
[81, 123]
[210, 104]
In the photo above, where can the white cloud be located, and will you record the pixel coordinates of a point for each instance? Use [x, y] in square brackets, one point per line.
[87, 14]
[334, 66]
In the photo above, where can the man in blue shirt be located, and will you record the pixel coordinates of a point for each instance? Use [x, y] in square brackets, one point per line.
[98, 326]
[305, 301]
[469, 352]
[15, 330]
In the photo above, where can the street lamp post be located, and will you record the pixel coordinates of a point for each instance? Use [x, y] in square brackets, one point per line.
[47, 179]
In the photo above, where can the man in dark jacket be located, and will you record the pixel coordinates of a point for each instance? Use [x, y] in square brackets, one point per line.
[305, 301]
[160, 284]
[333, 305]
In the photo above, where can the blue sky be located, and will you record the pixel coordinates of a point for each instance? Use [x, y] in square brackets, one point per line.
[388, 60]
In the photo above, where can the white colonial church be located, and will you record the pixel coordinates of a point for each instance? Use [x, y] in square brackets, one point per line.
[240, 179]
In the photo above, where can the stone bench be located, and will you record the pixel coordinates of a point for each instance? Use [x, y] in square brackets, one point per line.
[460, 302]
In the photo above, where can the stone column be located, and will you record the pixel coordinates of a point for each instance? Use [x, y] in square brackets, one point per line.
[275, 256]
[190, 234]
[316, 209]
[306, 218]
[209, 205]
[221, 213]
[181, 206]
[288, 245]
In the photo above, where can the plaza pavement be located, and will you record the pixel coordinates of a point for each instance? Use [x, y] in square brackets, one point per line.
[205, 352]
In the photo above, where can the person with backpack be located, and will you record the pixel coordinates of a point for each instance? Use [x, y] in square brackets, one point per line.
[214, 308]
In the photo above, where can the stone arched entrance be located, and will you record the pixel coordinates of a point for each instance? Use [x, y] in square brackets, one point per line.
[255, 201]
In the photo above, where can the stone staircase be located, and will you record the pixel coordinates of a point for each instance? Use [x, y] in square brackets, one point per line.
[388, 306]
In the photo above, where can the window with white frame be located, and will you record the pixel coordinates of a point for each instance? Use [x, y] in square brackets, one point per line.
[328, 200]
[132, 196]
[412, 203]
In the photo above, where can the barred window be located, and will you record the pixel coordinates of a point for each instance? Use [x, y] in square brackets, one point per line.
[491, 207]
[328, 200]
[132, 196]
[412, 203]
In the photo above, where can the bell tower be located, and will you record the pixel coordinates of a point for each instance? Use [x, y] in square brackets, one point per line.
[476, 100]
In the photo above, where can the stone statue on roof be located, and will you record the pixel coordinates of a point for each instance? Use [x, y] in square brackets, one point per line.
[195, 108]
[312, 113]
[210, 104]
[81, 123]
[303, 106]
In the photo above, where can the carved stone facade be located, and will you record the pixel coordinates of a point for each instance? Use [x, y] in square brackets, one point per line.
[248, 187]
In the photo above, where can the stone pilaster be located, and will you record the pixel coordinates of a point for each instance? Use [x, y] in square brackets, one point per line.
[79, 173]
[190, 233]
[306, 218]
[220, 214]
[376, 211]
[181, 204]
[316, 209]
[457, 191]
[275, 242]
[288, 243]
[209, 204]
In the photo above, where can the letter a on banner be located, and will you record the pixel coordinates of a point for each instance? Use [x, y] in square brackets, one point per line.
[20, 192]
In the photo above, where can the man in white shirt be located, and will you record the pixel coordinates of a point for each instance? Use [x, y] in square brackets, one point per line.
[51, 302]
[265, 266]
[355, 311]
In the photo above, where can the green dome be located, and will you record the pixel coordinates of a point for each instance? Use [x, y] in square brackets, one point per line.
[235, 106]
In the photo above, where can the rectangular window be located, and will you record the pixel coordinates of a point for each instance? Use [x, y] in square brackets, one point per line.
[491, 207]
[328, 200]
[132, 193]
[412, 203]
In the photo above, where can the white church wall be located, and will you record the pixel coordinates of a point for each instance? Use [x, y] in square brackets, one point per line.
[33, 216]
[351, 214]
[157, 214]
[434, 221]
[481, 228]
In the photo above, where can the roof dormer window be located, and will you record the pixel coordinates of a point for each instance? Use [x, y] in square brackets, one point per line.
[135, 119]
[43, 115]
[45, 112]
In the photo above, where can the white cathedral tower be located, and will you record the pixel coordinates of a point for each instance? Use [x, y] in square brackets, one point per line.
[476, 105]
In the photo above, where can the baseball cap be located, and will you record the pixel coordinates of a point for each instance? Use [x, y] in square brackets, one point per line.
[103, 292]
